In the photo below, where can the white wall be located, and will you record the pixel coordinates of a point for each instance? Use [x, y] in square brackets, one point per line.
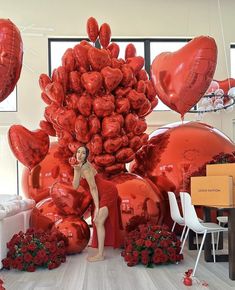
[181, 18]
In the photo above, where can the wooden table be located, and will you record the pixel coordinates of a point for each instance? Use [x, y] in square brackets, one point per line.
[230, 258]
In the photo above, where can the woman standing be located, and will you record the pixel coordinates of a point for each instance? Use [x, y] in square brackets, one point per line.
[106, 215]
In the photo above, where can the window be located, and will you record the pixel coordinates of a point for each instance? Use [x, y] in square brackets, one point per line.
[147, 48]
[10, 103]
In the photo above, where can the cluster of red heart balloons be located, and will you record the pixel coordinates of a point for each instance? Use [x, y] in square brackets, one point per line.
[11, 55]
[100, 100]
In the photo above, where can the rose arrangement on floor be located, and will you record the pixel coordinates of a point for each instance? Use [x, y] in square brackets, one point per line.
[151, 244]
[33, 249]
[1, 285]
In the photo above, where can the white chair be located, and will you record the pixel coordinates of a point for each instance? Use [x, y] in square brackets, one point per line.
[192, 222]
[175, 213]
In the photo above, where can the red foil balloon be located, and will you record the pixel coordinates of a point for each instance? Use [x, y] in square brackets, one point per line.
[181, 78]
[30, 148]
[77, 231]
[11, 51]
[138, 196]
[45, 214]
[226, 84]
[37, 183]
[176, 151]
[69, 200]
[92, 28]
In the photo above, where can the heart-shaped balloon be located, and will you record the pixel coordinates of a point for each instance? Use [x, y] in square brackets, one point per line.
[112, 77]
[11, 55]
[226, 84]
[30, 148]
[181, 78]
[103, 107]
[98, 58]
[84, 105]
[92, 81]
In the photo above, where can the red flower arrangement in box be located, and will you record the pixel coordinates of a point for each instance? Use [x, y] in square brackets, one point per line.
[151, 244]
[33, 249]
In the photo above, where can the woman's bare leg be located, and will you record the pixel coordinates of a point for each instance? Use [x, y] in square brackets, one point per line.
[100, 220]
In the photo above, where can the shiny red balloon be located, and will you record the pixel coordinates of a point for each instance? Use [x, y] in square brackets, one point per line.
[77, 231]
[181, 78]
[37, 183]
[139, 197]
[11, 51]
[45, 214]
[178, 151]
[29, 147]
[70, 201]
[105, 34]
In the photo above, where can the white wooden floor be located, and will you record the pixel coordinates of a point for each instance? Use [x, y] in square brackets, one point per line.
[113, 274]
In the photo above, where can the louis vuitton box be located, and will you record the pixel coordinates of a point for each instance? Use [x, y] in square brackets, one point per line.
[222, 169]
[212, 190]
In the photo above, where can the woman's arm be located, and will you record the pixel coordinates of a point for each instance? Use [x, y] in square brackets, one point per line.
[76, 176]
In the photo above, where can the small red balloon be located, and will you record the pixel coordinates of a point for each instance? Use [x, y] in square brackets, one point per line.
[105, 35]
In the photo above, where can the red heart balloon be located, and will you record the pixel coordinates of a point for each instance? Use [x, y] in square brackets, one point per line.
[68, 60]
[114, 49]
[112, 77]
[96, 144]
[181, 78]
[103, 106]
[81, 56]
[30, 148]
[112, 144]
[92, 81]
[92, 29]
[98, 58]
[226, 84]
[110, 127]
[11, 55]
[105, 34]
[84, 105]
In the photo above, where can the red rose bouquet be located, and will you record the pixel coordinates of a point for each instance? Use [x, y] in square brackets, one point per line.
[1, 285]
[33, 249]
[151, 244]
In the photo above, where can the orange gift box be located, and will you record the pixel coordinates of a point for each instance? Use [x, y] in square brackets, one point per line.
[222, 169]
[212, 190]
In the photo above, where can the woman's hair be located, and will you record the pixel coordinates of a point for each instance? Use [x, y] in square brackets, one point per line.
[86, 151]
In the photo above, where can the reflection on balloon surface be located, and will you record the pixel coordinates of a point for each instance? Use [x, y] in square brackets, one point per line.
[138, 197]
[76, 230]
[177, 151]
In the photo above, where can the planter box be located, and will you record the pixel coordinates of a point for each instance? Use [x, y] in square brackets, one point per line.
[227, 169]
[212, 190]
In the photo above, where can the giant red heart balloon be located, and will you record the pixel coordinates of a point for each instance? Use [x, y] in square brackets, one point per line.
[11, 55]
[181, 78]
[29, 147]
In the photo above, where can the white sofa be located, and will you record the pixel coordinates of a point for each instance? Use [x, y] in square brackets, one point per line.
[14, 217]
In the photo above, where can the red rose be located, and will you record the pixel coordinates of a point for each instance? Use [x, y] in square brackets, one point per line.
[139, 242]
[27, 257]
[148, 243]
[30, 268]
